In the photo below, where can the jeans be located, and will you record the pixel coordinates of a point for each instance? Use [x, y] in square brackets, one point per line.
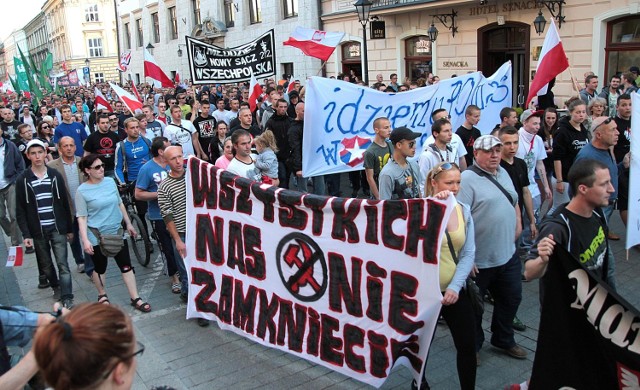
[333, 184]
[43, 246]
[76, 246]
[505, 286]
[611, 269]
[9, 225]
[182, 269]
[318, 185]
[283, 175]
[166, 245]
[525, 238]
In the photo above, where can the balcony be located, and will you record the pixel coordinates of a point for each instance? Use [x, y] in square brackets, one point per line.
[383, 4]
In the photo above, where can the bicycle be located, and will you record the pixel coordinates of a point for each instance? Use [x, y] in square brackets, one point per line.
[139, 246]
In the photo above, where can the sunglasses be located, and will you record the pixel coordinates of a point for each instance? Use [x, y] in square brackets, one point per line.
[45, 127]
[604, 122]
[138, 352]
[97, 167]
[445, 166]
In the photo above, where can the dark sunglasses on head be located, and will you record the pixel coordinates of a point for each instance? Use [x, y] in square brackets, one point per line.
[604, 122]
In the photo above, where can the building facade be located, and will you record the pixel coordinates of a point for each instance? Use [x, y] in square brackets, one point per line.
[598, 36]
[37, 39]
[16, 39]
[82, 33]
[163, 24]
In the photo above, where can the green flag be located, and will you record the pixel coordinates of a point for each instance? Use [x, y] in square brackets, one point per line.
[14, 83]
[21, 74]
[48, 62]
[29, 71]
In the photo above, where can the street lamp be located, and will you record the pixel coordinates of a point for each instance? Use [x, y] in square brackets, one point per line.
[555, 8]
[88, 74]
[150, 47]
[363, 7]
[432, 32]
[539, 23]
[179, 49]
[87, 62]
[448, 20]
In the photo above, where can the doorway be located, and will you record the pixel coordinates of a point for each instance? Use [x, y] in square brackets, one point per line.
[509, 42]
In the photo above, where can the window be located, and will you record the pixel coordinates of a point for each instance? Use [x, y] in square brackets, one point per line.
[229, 13]
[290, 8]
[137, 78]
[173, 23]
[417, 57]
[156, 27]
[91, 13]
[623, 45]
[139, 36]
[196, 12]
[255, 11]
[98, 77]
[127, 37]
[95, 47]
[287, 68]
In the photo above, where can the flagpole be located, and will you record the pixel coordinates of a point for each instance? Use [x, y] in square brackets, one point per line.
[573, 79]
[321, 66]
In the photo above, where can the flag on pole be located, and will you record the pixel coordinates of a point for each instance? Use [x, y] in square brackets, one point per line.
[254, 92]
[125, 60]
[552, 62]
[135, 90]
[314, 43]
[154, 72]
[14, 258]
[100, 101]
[127, 99]
[177, 78]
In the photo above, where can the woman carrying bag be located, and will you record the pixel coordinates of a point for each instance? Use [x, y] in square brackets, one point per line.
[100, 212]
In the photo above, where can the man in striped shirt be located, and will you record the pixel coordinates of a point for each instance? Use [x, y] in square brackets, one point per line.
[44, 217]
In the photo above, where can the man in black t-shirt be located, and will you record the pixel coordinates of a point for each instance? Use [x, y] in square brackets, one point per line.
[620, 150]
[579, 226]
[468, 133]
[103, 142]
[205, 124]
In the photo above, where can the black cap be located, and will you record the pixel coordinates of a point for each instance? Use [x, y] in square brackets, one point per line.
[634, 69]
[402, 133]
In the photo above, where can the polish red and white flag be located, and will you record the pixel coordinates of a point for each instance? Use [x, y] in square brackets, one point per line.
[127, 99]
[255, 90]
[154, 72]
[552, 62]
[101, 101]
[177, 78]
[14, 258]
[125, 60]
[315, 43]
[135, 90]
[292, 86]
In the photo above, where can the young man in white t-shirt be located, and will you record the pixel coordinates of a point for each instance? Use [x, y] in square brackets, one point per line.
[242, 162]
[456, 145]
[182, 132]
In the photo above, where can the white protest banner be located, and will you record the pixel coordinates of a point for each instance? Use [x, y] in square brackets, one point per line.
[339, 116]
[350, 284]
[633, 222]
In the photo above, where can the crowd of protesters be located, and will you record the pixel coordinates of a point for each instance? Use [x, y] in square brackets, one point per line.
[66, 161]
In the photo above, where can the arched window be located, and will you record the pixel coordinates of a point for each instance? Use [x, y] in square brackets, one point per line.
[351, 58]
[623, 46]
[417, 58]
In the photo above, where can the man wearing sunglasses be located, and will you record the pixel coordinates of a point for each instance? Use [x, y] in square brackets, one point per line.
[400, 178]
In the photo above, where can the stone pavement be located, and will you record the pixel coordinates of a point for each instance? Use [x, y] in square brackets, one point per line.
[183, 355]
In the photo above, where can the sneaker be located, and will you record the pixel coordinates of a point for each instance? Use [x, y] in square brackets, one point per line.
[518, 325]
[43, 283]
[67, 303]
[29, 250]
[203, 322]
[81, 268]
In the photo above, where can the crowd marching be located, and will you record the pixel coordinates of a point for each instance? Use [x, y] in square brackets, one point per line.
[66, 163]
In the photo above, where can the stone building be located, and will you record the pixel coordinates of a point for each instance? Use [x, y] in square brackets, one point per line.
[598, 36]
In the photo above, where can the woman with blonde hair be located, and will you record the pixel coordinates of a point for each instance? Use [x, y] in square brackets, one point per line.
[457, 253]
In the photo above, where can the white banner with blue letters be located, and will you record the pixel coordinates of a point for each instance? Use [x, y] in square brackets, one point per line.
[339, 115]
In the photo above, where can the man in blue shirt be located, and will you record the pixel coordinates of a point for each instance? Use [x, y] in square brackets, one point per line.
[70, 128]
[149, 176]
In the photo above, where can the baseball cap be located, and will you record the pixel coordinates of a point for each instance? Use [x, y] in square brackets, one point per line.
[634, 69]
[529, 113]
[36, 142]
[402, 133]
[486, 142]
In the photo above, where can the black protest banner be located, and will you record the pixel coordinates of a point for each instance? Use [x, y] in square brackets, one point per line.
[213, 64]
[588, 337]
[71, 79]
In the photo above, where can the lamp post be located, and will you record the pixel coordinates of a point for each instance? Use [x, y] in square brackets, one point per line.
[539, 23]
[363, 7]
[88, 73]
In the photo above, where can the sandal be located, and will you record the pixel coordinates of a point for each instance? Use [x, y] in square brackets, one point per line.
[103, 299]
[138, 304]
[176, 288]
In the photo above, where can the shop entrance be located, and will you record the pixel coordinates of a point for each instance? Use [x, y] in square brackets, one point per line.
[509, 42]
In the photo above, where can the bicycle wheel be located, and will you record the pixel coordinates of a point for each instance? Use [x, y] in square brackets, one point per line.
[140, 245]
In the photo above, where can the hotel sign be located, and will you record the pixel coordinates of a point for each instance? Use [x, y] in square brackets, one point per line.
[506, 7]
